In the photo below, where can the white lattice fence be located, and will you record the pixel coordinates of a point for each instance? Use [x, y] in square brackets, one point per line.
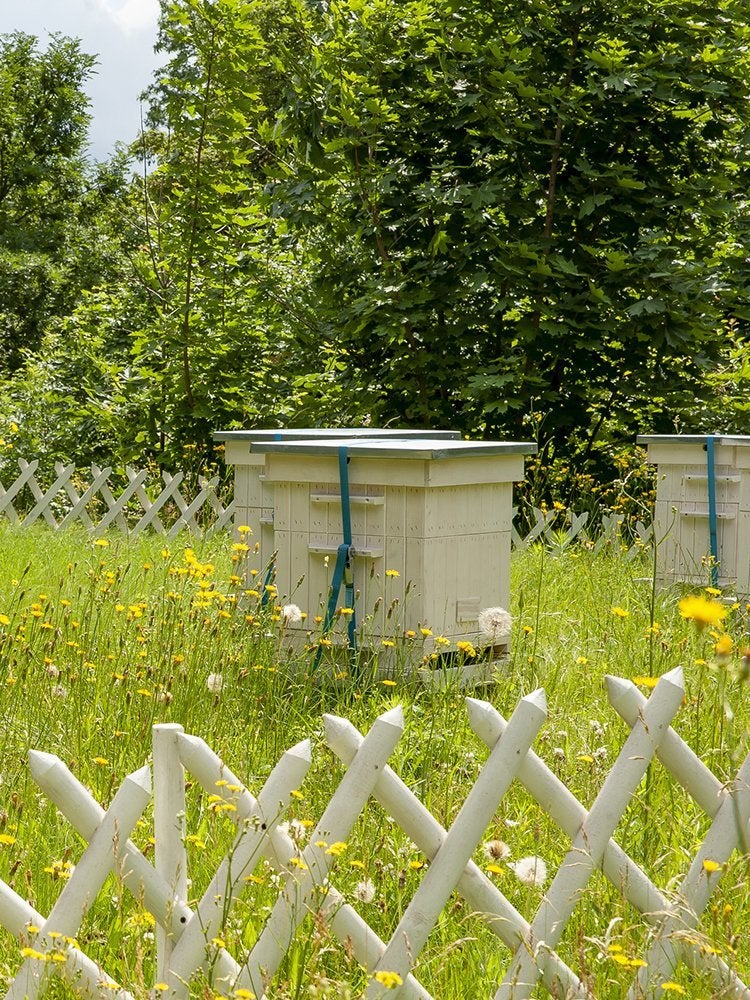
[189, 937]
[92, 503]
[559, 529]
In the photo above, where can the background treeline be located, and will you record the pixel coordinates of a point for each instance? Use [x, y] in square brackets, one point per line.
[523, 221]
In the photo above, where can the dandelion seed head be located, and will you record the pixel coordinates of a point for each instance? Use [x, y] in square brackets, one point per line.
[365, 891]
[496, 850]
[214, 683]
[291, 614]
[531, 870]
[494, 621]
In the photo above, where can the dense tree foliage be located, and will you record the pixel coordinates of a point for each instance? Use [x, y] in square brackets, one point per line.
[511, 220]
[49, 200]
[516, 209]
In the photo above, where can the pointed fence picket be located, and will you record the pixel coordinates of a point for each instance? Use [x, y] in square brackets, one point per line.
[89, 500]
[189, 938]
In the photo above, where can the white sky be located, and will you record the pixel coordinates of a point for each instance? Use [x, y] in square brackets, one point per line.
[121, 33]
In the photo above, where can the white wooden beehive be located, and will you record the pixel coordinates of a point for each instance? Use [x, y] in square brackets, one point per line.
[254, 495]
[435, 512]
[681, 515]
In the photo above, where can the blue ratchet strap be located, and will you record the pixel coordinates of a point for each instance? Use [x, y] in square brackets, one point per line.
[343, 570]
[712, 533]
[266, 595]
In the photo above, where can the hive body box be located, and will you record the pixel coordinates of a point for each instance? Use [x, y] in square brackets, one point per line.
[254, 495]
[681, 517]
[437, 512]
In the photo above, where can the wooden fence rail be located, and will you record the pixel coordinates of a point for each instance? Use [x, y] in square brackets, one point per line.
[90, 501]
[145, 502]
[190, 938]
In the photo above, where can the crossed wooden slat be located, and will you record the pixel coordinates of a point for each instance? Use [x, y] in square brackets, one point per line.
[117, 507]
[183, 946]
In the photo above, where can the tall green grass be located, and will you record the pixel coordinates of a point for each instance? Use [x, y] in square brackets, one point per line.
[101, 639]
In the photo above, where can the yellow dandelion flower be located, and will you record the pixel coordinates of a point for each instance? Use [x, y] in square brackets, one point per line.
[388, 979]
[619, 612]
[670, 987]
[647, 682]
[388, 683]
[337, 849]
[711, 866]
[33, 953]
[724, 645]
[702, 611]
[5, 838]
[392, 572]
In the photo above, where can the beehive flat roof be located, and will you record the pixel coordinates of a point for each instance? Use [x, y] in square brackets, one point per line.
[323, 433]
[723, 439]
[427, 449]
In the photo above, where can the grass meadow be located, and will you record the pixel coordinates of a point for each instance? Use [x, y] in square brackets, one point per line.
[100, 639]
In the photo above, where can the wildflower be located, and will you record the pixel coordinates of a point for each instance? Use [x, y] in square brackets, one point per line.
[388, 979]
[647, 682]
[388, 682]
[101, 761]
[60, 869]
[467, 649]
[102, 543]
[336, 849]
[494, 621]
[291, 614]
[724, 645]
[392, 573]
[242, 994]
[711, 866]
[531, 870]
[214, 683]
[5, 838]
[670, 987]
[245, 529]
[33, 953]
[4, 620]
[702, 611]
[496, 850]
[619, 612]
[365, 891]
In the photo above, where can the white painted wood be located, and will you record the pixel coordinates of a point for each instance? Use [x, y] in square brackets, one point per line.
[169, 830]
[334, 825]
[730, 829]
[306, 877]
[681, 510]
[418, 823]
[43, 499]
[255, 821]
[104, 851]
[563, 807]
[589, 844]
[82, 975]
[461, 841]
